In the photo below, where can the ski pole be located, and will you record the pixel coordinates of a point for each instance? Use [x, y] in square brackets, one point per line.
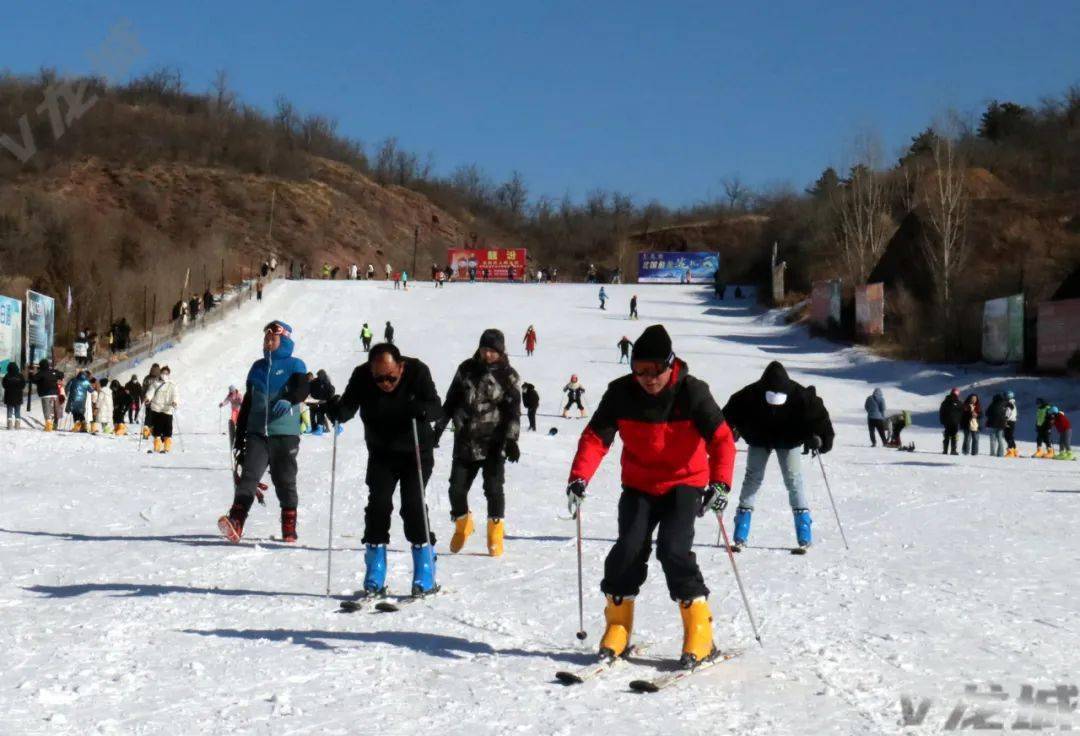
[179, 434]
[580, 588]
[833, 502]
[219, 419]
[420, 479]
[738, 580]
[330, 533]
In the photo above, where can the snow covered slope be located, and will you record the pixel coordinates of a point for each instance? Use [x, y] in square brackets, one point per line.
[123, 612]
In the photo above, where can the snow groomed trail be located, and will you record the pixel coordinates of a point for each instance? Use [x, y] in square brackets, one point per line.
[123, 612]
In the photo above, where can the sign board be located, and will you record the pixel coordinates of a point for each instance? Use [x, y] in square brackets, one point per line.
[495, 262]
[662, 267]
[825, 304]
[1058, 333]
[870, 310]
[1003, 330]
[10, 333]
[40, 326]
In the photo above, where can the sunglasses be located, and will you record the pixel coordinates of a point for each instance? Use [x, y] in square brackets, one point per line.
[384, 378]
[652, 372]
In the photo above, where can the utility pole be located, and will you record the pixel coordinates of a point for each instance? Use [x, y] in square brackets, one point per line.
[270, 230]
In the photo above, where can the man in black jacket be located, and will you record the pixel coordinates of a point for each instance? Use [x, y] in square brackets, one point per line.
[776, 414]
[391, 392]
[322, 390]
[950, 415]
[47, 382]
[531, 399]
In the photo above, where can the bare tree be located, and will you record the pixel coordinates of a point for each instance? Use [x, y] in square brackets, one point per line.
[945, 245]
[222, 98]
[736, 192]
[862, 222]
[512, 195]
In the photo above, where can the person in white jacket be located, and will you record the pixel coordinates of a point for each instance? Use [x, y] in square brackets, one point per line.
[164, 402]
[103, 407]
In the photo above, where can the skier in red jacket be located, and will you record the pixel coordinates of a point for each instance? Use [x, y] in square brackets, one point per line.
[677, 462]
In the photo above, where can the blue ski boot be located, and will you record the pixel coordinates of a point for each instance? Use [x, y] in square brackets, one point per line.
[318, 431]
[423, 582]
[802, 528]
[339, 429]
[375, 566]
[742, 527]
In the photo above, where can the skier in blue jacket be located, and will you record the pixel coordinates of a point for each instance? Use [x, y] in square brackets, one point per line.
[268, 431]
[875, 416]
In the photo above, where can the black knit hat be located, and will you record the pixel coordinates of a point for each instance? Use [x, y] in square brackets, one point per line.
[654, 345]
[493, 340]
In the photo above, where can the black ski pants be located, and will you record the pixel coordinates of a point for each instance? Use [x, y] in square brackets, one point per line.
[163, 425]
[948, 442]
[672, 516]
[876, 425]
[532, 419]
[385, 471]
[571, 401]
[1042, 436]
[279, 454]
[1010, 435]
[462, 475]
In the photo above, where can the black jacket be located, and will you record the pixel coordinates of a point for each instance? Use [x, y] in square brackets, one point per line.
[995, 415]
[951, 412]
[529, 397]
[14, 383]
[321, 388]
[46, 381]
[134, 391]
[624, 346]
[388, 417]
[779, 427]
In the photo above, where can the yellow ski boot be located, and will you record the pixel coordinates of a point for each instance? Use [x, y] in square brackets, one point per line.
[1049, 453]
[121, 430]
[1040, 453]
[697, 632]
[158, 445]
[167, 444]
[145, 432]
[619, 615]
[463, 527]
[48, 425]
[495, 530]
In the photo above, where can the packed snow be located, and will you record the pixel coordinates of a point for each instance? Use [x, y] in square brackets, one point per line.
[125, 613]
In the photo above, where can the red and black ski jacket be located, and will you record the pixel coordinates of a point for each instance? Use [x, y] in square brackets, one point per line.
[677, 438]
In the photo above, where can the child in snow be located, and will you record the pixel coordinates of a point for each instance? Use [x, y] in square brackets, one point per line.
[573, 391]
[1043, 424]
[531, 399]
[1064, 430]
[897, 424]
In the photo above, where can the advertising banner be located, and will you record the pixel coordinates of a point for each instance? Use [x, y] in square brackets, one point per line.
[10, 333]
[825, 304]
[870, 310]
[491, 264]
[40, 326]
[1003, 330]
[661, 267]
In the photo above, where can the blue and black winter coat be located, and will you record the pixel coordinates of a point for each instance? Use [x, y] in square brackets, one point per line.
[275, 376]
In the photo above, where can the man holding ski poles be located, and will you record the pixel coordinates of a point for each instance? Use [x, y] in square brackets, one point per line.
[677, 462]
[397, 402]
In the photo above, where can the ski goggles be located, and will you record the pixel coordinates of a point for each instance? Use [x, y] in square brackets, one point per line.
[276, 328]
[655, 372]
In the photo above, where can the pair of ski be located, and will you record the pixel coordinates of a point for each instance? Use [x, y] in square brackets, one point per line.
[382, 602]
[606, 664]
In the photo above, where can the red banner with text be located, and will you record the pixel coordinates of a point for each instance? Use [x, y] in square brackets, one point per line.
[487, 264]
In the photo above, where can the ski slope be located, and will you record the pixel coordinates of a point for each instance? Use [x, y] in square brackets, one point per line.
[124, 613]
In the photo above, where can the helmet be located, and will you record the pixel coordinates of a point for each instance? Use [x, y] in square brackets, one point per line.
[1053, 410]
[573, 378]
[1010, 395]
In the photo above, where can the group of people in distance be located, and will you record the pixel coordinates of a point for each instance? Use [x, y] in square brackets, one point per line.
[677, 462]
[967, 418]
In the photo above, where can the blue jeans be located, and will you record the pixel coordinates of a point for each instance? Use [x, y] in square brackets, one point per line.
[790, 468]
[997, 443]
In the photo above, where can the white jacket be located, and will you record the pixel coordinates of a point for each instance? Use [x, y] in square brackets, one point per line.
[166, 398]
[1011, 412]
[103, 406]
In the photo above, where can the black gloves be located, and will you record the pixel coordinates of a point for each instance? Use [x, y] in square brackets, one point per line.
[513, 453]
[714, 498]
[332, 407]
[575, 495]
[812, 444]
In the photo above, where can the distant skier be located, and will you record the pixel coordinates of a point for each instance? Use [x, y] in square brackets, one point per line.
[972, 424]
[1012, 414]
[484, 403]
[574, 391]
[78, 393]
[397, 281]
[234, 400]
[389, 272]
[370, 272]
[366, 336]
[1043, 424]
[531, 400]
[603, 298]
[777, 414]
[875, 416]
[49, 383]
[950, 414]
[135, 395]
[150, 384]
[14, 384]
[1064, 430]
[530, 340]
[624, 346]
[996, 422]
[388, 333]
[677, 461]
[268, 431]
[633, 307]
[163, 403]
[405, 280]
[391, 392]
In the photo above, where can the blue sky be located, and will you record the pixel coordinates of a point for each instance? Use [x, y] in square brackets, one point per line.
[659, 100]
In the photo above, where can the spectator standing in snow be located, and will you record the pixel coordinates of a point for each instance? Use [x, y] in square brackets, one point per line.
[49, 383]
[366, 336]
[121, 403]
[995, 422]
[531, 399]
[14, 385]
[875, 416]
[530, 340]
[134, 391]
[389, 272]
[78, 394]
[972, 424]
[388, 333]
[950, 414]
[1012, 414]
